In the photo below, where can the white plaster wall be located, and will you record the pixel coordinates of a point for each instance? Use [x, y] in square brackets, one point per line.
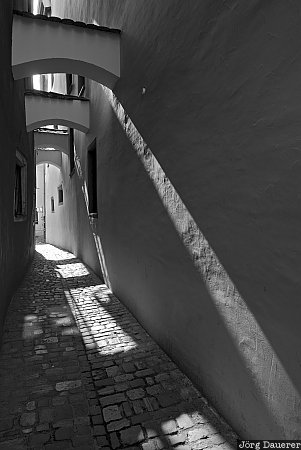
[54, 219]
[39, 228]
[70, 219]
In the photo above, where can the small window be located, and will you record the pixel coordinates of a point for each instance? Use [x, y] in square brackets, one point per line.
[71, 150]
[69, 84]
[47, 11]
[20, 191]
[52, 204]
[80, 85]
[60, 195]
[92, 178]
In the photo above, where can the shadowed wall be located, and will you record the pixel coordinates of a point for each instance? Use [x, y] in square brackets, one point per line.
[16, 237]
[221, 115]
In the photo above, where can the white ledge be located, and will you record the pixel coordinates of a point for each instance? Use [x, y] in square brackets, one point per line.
[55, 141]
[42, 110]
[49, 156]
[41, 46]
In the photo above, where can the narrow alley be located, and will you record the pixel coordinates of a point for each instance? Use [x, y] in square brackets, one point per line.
[78, 371]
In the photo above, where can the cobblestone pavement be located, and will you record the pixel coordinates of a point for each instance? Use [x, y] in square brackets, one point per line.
[78, 371]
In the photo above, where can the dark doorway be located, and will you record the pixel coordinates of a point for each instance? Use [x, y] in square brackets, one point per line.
[92, 178]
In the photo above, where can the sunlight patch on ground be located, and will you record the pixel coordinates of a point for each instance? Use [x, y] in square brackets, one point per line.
[103, 334]
[31, 327]
[52, 253]
[72, 270]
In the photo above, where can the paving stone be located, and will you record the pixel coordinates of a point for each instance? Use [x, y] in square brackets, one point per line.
[106, 390]
[111, 399]
[137, 382]
[97, 420]
[67, 385]
[154, 390]
[184, 421]
[111, 413]
[102, 441]
[118, 425]
[30, 406]
[127, 409]
[134, 394]
[178, 438]
[132, 435]
[114, 440]
[78, 381]
[94, 410]
[112, 371]
[152, 428]
[169, 427]
[28, 419]
[124, 377]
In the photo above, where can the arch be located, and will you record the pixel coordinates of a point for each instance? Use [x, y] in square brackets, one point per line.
[53, 157]
[45, 140]
[43, 109]
[49, 162]
[54, 46]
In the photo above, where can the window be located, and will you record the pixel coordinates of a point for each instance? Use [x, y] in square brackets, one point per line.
[60, 195]
[69, 85]
[80, 85]
[20, 191]
[52, 204]
[47, 11]
[71, 150]
[92, 178]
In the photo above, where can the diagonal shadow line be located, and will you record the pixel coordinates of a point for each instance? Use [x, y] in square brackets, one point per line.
[184, 224]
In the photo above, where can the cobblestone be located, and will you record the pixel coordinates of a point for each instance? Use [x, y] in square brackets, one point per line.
[77, 371]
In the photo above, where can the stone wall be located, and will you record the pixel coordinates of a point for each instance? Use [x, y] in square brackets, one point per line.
[198, 163]
[16, 237]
